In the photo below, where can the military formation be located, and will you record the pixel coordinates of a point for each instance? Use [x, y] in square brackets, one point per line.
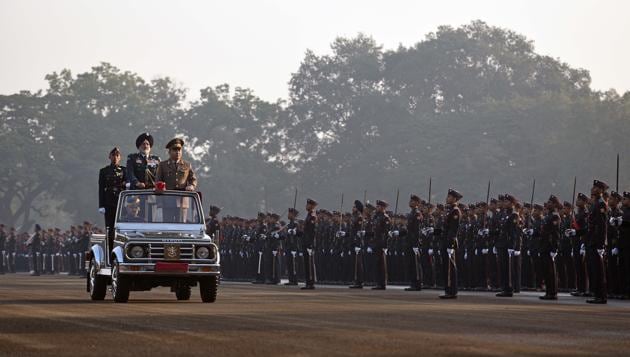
[501, 245]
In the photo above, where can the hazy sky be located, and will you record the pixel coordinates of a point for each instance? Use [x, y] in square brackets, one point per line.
[258, 44]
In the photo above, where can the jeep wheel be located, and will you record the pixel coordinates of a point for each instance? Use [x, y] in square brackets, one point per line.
[97, 284]
[120, 284]
[208, 288]
[183, 293]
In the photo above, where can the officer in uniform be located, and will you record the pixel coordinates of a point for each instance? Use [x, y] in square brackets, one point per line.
[309, 244]
[624, 245]
[412, 245]
[577, 233]
[382, 226]
[213, 226]
[548, 248]
[506, 243]
[177, 174]
[3, 260]
[34, 245]
[448, 244]
[291, 245]
[596, 242]
[142, 166]
[111, 180]
[357, 235]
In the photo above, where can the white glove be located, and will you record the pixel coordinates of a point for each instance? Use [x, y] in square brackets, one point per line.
[430, 251]
[342, 233]
[361, 234]
[510, 252]
[101, 210]
[128, 185]
[476, 251]
[484, 251]
[517, 253]
[494, 250]
[293, 253]
[263, 236]
[553, 255]
[291, 231]
[466, 256]
[614, 251]
[485, 231]
[529, 232]
[357, 250]
[600, 252]
[369, 249]
[276, 235]
[529, 253]
[569, 232]
[392, 234]
[450, 252]
[246, 237]
[274, 252]
[619, 220]
[416, 250]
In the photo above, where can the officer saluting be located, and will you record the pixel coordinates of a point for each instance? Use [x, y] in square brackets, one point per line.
[111, 180]
[175, 172]
[142, 166]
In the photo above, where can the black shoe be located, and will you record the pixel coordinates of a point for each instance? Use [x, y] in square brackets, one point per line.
[356, 286]
[413, 288]
[548, 297]
[597, 301]
[504, 294]
[291, 283]
[448, 296]
[378, 287]
[258, 282]
[577, 293]
[308, 287]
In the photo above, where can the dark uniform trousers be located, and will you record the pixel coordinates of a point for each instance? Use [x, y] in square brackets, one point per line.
[550, 274]
[414, 267]
[596, 273]
[449, 271]
[505, 267]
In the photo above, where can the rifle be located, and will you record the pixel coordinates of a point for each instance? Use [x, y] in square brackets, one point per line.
[397, 196]
[429, 191]
[485, 216]
[573, 200]
[617, 184]
[295, 198]
[531, 205]
[341, 212]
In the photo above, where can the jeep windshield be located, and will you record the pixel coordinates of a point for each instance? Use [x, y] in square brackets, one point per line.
[148, 207]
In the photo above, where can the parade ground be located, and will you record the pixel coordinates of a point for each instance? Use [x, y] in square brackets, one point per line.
[52, 315]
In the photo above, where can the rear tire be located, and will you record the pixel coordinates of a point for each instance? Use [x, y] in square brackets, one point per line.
[97, 284]
[120, 284]
[183, 293]
[208, 288]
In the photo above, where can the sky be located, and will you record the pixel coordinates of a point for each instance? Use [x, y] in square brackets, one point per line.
[259, 44]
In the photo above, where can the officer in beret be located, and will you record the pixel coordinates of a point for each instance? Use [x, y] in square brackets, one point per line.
[448, 244]
[142, 166]
[596, 242]
[309, 244]
[111, 181]
[175, 172]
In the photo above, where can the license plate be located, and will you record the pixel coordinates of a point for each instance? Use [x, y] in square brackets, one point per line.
[164, 267]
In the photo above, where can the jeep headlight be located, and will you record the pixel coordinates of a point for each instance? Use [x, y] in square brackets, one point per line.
[203, 252]
[136, 252]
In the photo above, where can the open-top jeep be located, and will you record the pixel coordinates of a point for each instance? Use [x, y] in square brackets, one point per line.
[159, 239]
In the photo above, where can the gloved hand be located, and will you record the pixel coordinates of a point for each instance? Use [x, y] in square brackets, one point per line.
[369, 249]
[101, 210]
[582, 249]
[494, 250]
[292, 231]
[529, 232]
[510, 252]
[485, 231]
[246, 238]
[430, 251]
[416, 250]
[361, 234]
[450, 252]
[529, 253]
[569, 232]
[263, 236]
[517, 253]
[357, 250]
[601, 252]
[614, 251]
[341, 234]
[128, 185]
[395, 233]
[553, 255]
[427, 230]
[484, 251]
[276, 235]
[465, 255]
[619, 220]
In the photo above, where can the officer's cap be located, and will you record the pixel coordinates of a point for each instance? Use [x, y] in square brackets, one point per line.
[454, 193]
[414, 198]
[615, 194]
[600, 184]
[175, 143]
[381, 203]
[358, 205]
[310, 201]
[115, 150]
[582, 197]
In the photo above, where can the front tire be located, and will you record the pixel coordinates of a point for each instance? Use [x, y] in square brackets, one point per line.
[97, 284]
[183, 293]
[208, 288]
[120, 284]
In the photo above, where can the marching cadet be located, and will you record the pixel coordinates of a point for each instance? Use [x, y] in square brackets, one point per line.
[506, 245]
[548, 248]
[357, 236]
[412, 244]
[142, 166]
[448, 244]
[291, 245]
[596, 242]
[309, 244]
[111, 181]
[382, 225]
[624, 244]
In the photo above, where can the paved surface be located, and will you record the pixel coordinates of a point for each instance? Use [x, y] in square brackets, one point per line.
[54, 316]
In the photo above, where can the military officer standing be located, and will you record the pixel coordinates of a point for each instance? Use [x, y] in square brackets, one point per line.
[548, 248]
[412, 246]
[357, 235]
[596, 242]
[309, 244]
[177, 174]
[624, 245]
[506, 245]
[448, 244]
[382, 225]
[111, 180]
[292, 246]
[142, 166]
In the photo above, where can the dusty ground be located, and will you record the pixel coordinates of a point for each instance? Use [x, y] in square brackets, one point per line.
[54, 316]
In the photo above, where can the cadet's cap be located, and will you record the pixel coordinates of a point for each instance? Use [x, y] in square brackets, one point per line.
[538, 206]
[274, 216]
[626, 194]
[310, 201]
[381, 203]
[369, 206]
[142, 137]
[215, 209]
[501, 197]
[554, 200]
[358, 205]
[493, 200]
[38, 228]
[567, 204]
[115, 150]
[414, 197]
[527, 205]
[175, 143]
[294, 211]
[615, 194]
[454, 193]
[600, 184]
[582, 196]
[509, 197]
